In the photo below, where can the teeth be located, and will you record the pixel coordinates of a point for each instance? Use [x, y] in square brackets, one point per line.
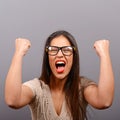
[60, 62]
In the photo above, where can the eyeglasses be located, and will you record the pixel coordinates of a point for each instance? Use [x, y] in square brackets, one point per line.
[66, 50]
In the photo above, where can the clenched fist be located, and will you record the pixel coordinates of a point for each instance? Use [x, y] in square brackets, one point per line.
[22, 46]
[102, 47]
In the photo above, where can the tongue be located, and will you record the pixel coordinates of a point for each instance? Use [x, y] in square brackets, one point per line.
[60, 69]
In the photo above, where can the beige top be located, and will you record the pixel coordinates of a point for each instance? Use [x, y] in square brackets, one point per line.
[42, 107]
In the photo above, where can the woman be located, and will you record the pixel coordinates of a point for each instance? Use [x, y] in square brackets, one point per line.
[60, 93]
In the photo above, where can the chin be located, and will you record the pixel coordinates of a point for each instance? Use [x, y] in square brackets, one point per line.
[61, 77]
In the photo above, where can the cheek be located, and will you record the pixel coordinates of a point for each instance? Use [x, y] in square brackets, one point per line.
[51, 63]
[70, 62]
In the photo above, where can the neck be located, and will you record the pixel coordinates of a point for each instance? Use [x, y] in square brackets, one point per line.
[57, 84]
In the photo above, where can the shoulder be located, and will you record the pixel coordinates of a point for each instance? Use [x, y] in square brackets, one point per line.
[85, 82]
[33, 82]
[35, 85]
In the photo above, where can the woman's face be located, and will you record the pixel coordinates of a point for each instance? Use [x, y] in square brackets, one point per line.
[60, 63]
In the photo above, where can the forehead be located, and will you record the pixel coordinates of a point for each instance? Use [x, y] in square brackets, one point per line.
[60, 41]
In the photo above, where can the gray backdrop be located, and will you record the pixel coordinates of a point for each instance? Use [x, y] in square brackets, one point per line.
[87, 20]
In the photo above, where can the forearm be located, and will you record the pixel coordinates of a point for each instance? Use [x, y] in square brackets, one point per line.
[106, 80]
[13, 83]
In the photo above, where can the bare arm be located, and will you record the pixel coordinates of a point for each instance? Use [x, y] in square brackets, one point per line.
[101, 96]
[17, 95]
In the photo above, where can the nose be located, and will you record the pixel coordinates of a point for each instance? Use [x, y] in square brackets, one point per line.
[60, 53]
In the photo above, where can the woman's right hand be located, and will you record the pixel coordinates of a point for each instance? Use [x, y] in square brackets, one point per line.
[22, 46]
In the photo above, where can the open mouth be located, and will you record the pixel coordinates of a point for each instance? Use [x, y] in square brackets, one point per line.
[60, 66]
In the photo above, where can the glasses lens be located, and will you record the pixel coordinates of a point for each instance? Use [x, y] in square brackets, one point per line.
[52, 50]
[67, 50]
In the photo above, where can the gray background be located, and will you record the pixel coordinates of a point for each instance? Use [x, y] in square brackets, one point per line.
[87, 20]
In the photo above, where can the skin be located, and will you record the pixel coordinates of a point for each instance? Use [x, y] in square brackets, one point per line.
[60, 41]
[17, 95]
[102, 96]
[58, 79]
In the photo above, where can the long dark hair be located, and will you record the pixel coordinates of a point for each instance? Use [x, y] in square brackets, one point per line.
[72, 88]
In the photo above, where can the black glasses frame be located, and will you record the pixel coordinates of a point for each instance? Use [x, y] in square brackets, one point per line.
[48, 48]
